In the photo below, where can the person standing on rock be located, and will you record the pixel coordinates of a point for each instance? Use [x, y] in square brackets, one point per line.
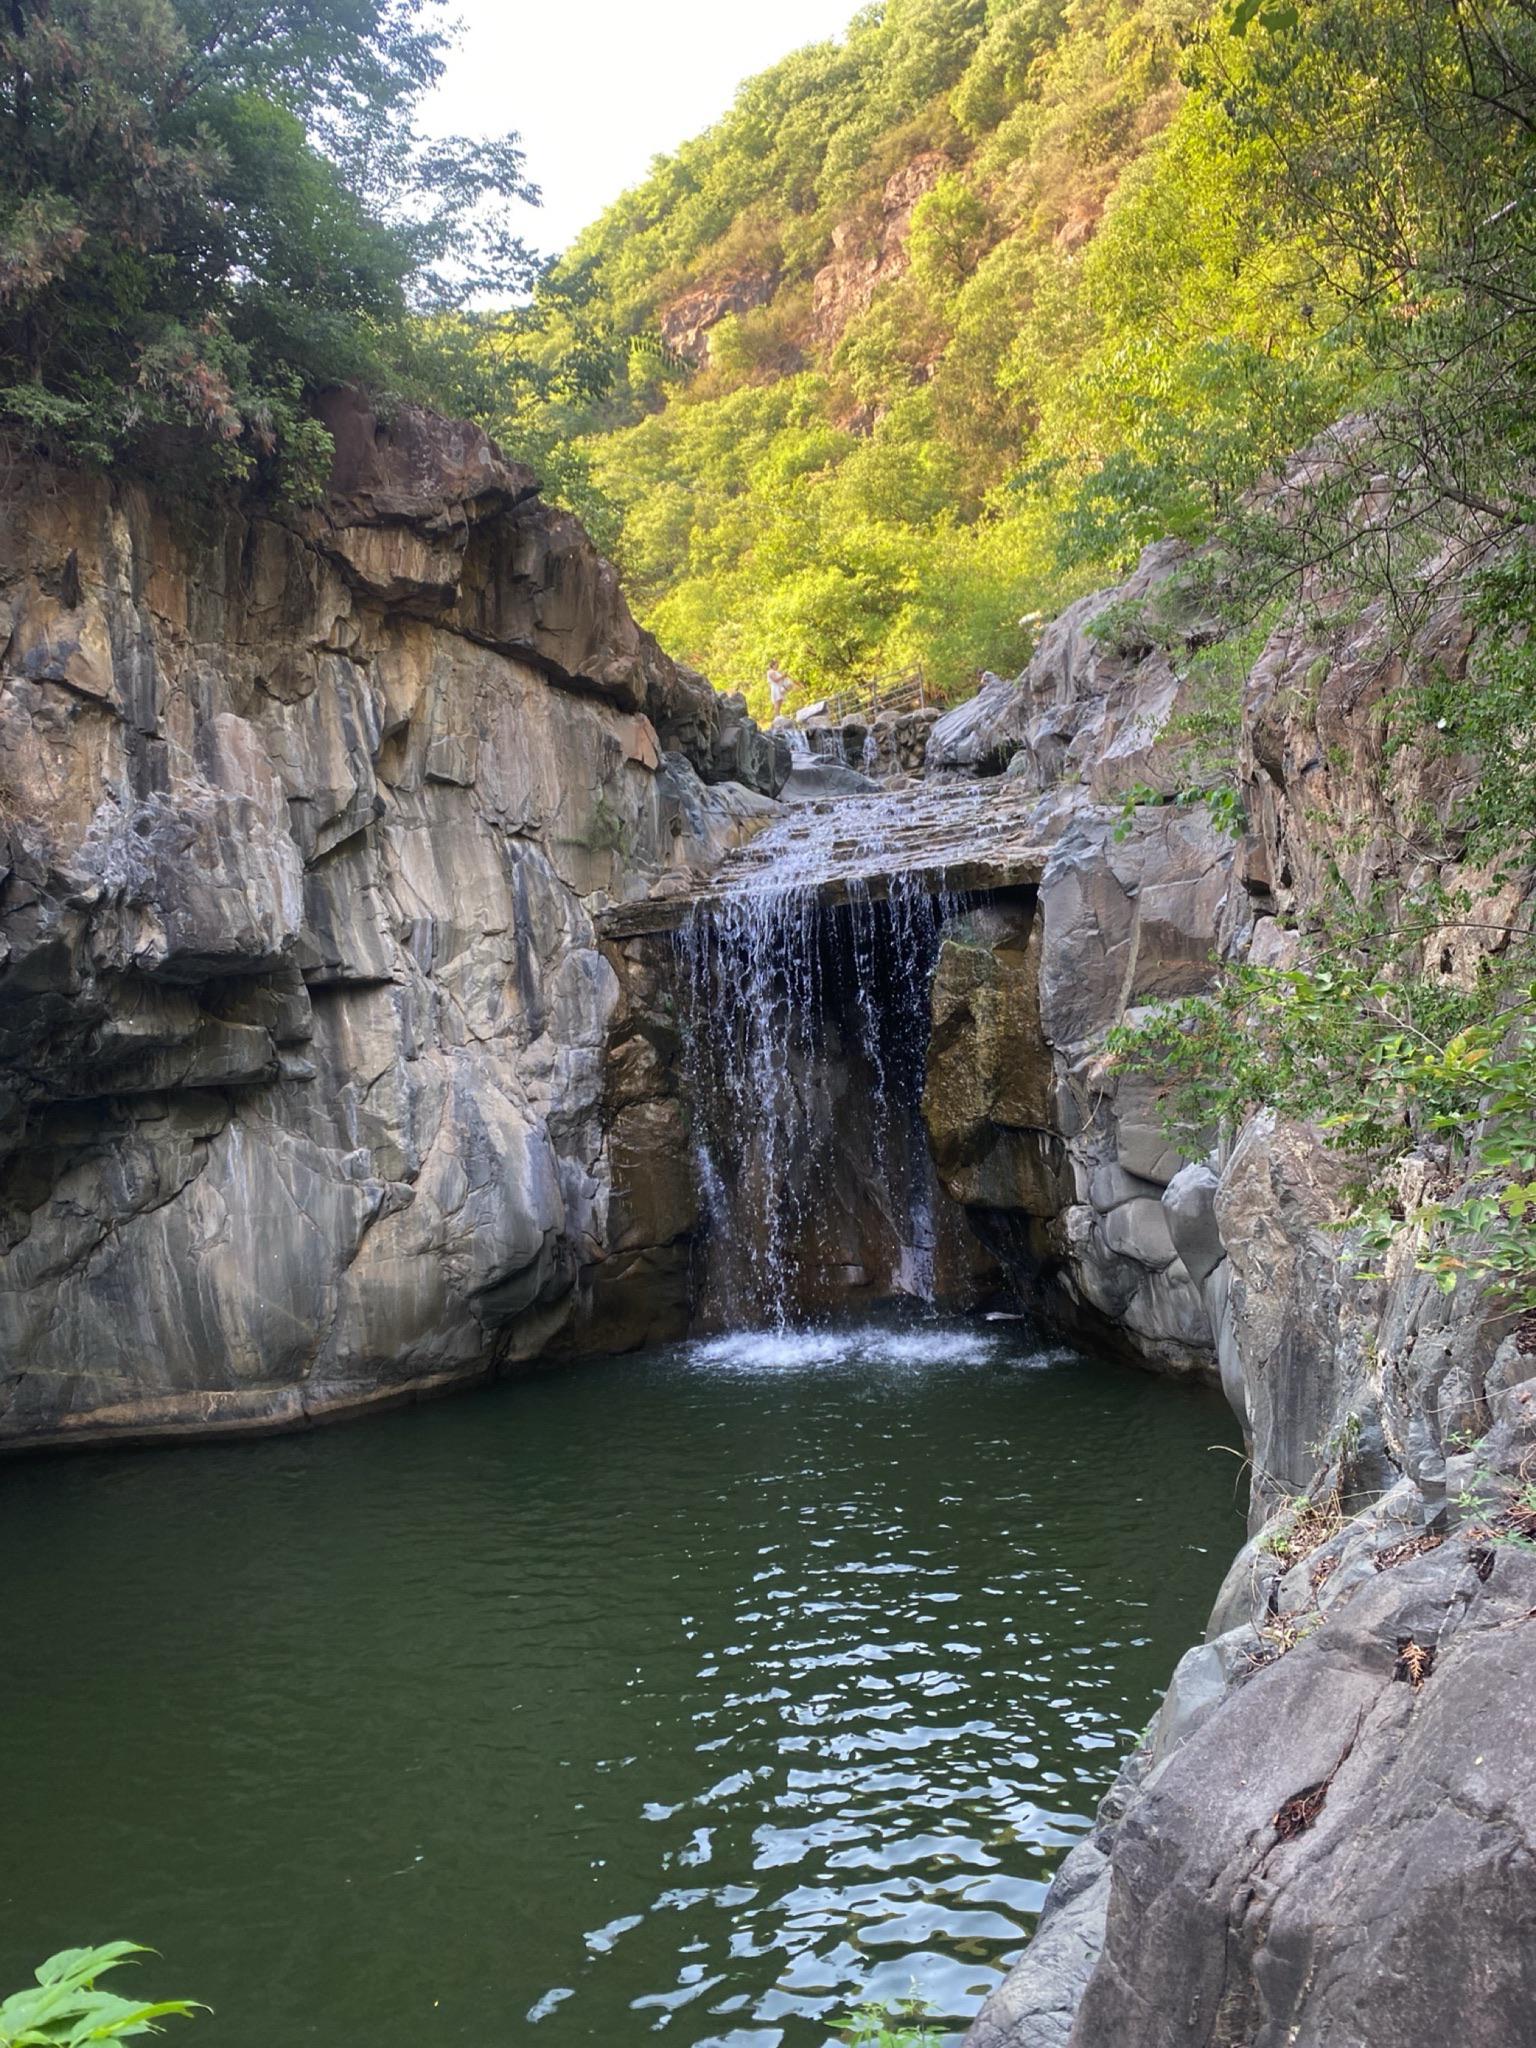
[779, 687]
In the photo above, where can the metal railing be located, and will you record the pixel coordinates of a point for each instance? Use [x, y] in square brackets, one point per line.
[904, 690]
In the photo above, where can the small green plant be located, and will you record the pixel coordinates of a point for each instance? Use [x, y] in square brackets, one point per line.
[1378, 1064]
[66, 2010]
[1307, 1525]
[1221, 799]
[1491, 711]
[1341, 1443]
[901, 2025]
[1473, 1497]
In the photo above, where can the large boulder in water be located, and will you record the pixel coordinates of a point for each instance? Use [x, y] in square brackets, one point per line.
[809, 781]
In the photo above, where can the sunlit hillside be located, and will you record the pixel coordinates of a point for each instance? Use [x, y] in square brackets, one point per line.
[937, 326]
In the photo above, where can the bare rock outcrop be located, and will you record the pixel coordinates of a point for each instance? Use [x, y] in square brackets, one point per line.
[1083, 1199]
[1308, 1844]
[1091, 710]
[870, 248]
[687, 322]
[307, 1041]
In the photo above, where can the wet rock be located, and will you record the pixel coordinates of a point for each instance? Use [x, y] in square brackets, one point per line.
[810, 781]
[1125, 914]
[1035, 2004]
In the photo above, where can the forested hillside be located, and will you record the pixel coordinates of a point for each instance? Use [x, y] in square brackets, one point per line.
[939, 325]
[933, 330]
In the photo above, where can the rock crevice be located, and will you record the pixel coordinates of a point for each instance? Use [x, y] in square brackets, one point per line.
[306, 1027]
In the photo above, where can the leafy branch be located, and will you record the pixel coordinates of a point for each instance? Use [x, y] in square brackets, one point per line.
[66, 2009]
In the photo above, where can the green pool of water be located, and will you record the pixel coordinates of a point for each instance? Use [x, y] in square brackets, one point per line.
[702, 1693]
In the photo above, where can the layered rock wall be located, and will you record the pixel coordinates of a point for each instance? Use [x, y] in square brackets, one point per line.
[1061, 1157]
[1329, 1830]
[314, 1069]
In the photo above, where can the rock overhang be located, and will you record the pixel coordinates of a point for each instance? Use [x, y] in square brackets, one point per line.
[954, 840]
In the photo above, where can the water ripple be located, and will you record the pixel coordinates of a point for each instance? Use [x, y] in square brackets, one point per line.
[705, 1694]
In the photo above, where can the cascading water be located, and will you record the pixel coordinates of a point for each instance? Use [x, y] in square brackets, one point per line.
[806, 1026]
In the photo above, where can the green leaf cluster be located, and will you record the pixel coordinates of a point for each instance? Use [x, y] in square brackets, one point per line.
[1381, 1062]
[1490, 713]
[66, 2009]
[901, 2025]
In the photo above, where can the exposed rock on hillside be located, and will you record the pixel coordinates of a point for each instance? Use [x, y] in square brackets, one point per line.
[870, 249]
[304, 1024]
[1088, 711]
[686, 323]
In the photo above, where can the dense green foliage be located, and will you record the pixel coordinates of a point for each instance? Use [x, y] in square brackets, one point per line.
[1404, 136]
[209, 211]
[65, 2009]
[1011, 301]
[1383, 1060]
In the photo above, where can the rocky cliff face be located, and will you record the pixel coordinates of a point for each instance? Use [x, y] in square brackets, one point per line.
[318, 1085]
[1328, 1832]
[1062, 1161]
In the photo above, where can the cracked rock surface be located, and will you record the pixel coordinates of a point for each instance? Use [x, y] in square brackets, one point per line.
[305, 1027]
[1326, 1838]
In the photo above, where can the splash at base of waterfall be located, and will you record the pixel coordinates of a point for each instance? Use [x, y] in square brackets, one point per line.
[889, 1342]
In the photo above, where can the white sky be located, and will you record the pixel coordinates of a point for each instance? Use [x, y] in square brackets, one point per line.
[596, 88]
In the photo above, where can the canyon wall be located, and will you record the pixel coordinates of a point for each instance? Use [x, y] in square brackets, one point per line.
[318, 1085]
[1328, 1832]
[1060, 1157]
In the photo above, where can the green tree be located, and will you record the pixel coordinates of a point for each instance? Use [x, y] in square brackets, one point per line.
[1399, 138]
[192, 232]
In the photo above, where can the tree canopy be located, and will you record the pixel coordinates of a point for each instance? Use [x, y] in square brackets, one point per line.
[210, 208]
[945, 320]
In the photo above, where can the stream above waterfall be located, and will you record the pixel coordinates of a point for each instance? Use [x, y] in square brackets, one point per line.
[703, 1693]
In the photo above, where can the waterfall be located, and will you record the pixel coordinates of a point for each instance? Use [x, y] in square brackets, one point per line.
[805, 1040]
[818, 745]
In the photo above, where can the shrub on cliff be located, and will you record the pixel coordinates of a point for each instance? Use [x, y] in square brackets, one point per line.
[208, 211]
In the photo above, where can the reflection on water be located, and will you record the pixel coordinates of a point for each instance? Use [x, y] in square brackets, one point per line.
[703, 1693]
